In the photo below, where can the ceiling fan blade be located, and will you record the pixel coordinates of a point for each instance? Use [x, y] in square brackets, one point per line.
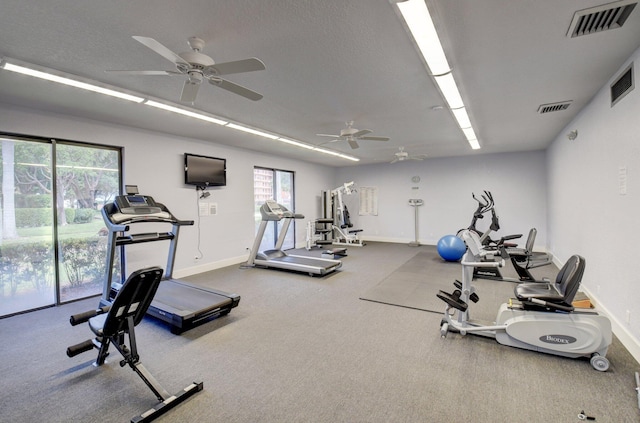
[161, 50]
[329, 142]
[416, 158]
[145, 72]
[235, 88]
[361, 132]
[189, 92]
[353, 144]
[238, 66]
[327, 135]
[396, 160]
[374, 138]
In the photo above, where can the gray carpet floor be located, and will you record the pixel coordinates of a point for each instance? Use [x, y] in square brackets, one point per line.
[303, 349]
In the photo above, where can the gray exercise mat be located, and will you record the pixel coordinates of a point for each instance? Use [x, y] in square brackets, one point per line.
[416, 283]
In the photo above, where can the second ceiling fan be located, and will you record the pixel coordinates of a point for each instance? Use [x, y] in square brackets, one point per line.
[353, 135]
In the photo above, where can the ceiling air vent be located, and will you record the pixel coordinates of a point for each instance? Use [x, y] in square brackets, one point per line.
[600, 18]
[622, 85]
[554, 107]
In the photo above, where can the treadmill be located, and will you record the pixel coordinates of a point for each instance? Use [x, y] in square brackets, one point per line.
[180, 304]
[278, 259]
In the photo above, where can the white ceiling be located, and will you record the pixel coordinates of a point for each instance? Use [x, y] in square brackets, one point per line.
[328, 62]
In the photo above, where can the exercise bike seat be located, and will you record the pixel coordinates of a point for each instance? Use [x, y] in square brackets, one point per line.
[561, 292]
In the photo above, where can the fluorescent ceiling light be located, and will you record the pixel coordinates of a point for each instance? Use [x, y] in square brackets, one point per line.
[184, 112]
[252, 131]
[418, 19]
[297, 143]
[449, 90]
[71, 82]
[51, 76]
[462, 117]
[337, 154]
[474, 144]
[469, 133]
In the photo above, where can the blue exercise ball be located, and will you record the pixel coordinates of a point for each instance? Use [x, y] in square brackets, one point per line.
[451, 248]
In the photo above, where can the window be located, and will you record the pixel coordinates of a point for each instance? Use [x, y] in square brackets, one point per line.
[278, 185]
[52, 249]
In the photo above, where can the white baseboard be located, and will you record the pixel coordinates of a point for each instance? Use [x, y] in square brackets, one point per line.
[619, 329]
[194, 270]
[394, 240]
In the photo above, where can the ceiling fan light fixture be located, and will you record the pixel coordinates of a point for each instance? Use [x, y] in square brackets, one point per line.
[49, 75]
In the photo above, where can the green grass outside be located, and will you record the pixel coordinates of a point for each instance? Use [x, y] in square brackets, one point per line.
[45, 233]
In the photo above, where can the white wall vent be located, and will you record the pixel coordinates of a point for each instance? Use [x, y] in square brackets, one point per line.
[554, 107]
[600, 18]
[623, 85]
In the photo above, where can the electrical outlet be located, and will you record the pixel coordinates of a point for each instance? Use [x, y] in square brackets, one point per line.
[628, 316]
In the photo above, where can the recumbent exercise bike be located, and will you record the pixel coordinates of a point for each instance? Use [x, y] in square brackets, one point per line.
[542, 318]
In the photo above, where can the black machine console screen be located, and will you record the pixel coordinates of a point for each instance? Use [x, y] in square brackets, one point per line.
[136, 204]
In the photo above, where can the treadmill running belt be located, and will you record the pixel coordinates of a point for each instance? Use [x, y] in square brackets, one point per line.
[305, 261]
[186, 300]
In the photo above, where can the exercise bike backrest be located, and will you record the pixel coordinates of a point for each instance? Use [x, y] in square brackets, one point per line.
[569, 278]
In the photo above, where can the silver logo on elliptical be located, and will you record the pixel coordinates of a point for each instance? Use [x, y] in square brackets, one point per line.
[558, 339]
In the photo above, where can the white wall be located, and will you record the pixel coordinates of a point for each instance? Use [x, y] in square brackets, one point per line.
[516, 180]
[154, 162]
[587, 213]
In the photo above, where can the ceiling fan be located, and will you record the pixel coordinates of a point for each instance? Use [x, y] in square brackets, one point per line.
[198, 67]
[352, 135]
[402, 155]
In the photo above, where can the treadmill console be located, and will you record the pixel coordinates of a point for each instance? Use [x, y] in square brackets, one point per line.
[274, 208]
[136, 204]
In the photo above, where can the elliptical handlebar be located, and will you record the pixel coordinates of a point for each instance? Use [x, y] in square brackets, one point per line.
[484, 205]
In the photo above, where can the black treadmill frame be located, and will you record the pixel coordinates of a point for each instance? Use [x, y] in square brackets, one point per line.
[119, 236]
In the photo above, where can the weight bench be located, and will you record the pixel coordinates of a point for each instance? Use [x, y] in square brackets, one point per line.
[113, 324]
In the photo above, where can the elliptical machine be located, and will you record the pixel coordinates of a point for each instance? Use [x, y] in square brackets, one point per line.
[541, 318]
[486, 204]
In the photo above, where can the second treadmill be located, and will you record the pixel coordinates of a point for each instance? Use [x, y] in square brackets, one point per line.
[271, 211]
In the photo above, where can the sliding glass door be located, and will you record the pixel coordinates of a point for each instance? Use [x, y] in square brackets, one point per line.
[27, 264]
[52, 246]
[278, 185]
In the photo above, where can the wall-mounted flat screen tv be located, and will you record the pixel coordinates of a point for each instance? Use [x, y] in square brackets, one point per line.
[204, 171]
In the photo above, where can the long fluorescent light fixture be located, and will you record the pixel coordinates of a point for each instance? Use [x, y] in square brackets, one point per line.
[418, 19]
[54, 76]
[49, 76]
[184, 112]
[253, 131]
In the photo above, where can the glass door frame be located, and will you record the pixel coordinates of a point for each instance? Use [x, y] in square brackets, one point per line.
[53, 143]
[291, 237]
